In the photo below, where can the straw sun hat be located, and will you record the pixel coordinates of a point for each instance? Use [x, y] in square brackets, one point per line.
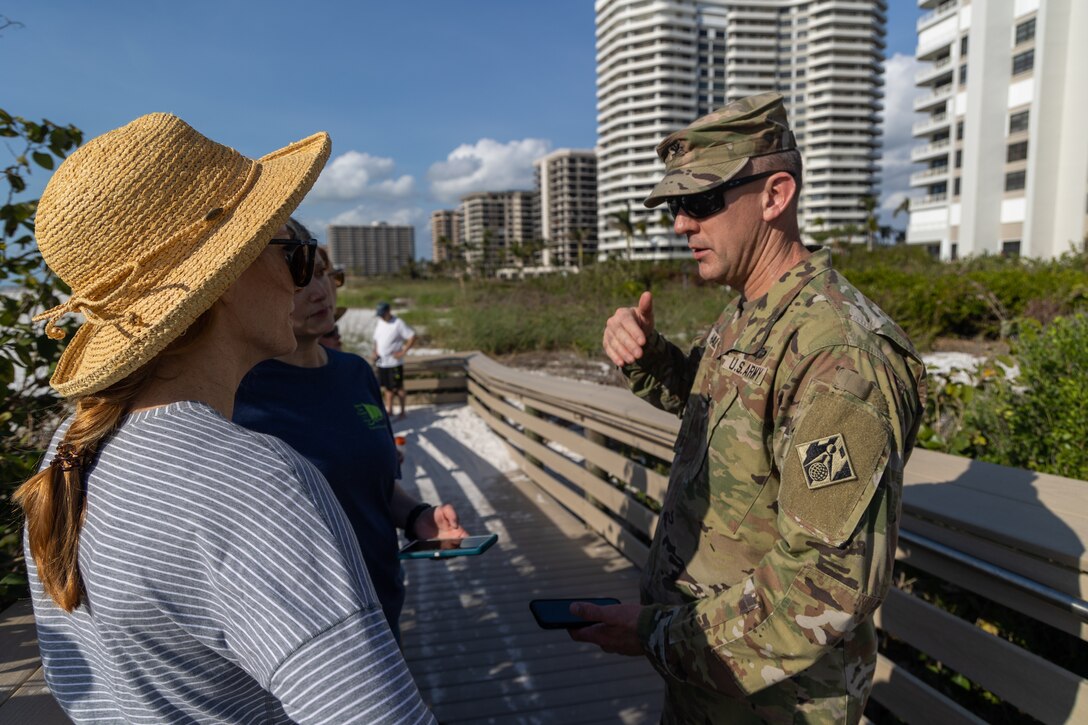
[149, 225]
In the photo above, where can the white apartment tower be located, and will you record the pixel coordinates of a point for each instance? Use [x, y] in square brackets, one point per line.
[663, 63]
[374, 250]
[566, 181]
[1003, 144]
[496, 226]
[445, 234]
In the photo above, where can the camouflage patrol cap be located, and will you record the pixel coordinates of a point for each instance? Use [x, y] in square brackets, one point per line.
[715, 147]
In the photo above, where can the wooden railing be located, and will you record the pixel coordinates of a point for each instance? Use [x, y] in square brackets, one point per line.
[436, 379]
[1012, 536]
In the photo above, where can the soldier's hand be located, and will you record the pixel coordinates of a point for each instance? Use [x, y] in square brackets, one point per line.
[626, 332]
[618, 629]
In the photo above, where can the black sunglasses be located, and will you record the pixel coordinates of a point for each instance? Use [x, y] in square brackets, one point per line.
[705, 203]
[300, 255]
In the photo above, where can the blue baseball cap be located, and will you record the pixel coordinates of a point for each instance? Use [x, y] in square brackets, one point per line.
[381, 309]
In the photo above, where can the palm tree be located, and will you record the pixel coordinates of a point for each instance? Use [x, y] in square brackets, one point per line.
[871, 224]
[666, 220]
[885, 233]
[621, 221]
[820, 236]
[488, 253]
[580, 235]
[904, 206]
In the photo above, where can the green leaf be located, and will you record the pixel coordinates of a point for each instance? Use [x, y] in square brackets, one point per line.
[16, 182]
[35, 132]
[43, 160]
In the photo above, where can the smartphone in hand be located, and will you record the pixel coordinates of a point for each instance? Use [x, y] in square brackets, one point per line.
[442, 548]
[555, 613]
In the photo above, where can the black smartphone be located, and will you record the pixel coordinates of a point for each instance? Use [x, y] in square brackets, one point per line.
[442, 548]
[555, 613]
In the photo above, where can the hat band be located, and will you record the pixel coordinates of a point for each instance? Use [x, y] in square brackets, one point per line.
[96, 309]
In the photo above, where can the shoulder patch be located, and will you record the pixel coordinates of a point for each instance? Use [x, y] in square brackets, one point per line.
[826, 486]
[826, 461]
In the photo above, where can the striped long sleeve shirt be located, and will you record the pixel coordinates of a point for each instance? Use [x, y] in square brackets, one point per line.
[223, 584]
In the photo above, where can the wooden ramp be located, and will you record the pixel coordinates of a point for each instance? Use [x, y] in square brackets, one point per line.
[468, 636]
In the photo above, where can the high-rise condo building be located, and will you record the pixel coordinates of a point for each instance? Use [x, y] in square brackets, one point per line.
[663, 63]
[566, 181]
[499, 228]
[445, 234]
[373, 250]
[1002, 137]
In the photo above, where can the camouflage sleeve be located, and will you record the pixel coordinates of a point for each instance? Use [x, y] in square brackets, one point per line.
[838, 452]
[664, 375]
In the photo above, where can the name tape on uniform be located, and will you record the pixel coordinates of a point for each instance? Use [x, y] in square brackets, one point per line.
[745, 368]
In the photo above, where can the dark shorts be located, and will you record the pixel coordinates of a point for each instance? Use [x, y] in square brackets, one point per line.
[391, 378]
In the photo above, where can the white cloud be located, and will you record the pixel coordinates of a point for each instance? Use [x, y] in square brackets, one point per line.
[486, 165]
[899, 117]
[365, 214]
[358, 175]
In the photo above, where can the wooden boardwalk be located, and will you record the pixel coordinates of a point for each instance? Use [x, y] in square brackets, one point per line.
[468, 636]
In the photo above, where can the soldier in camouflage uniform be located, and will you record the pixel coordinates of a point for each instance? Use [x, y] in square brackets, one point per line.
[800, 407]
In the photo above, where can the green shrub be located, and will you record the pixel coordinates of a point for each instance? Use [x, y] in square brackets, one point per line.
[1038, 422]
[975, 297]
[1035, 421]
[27, 357]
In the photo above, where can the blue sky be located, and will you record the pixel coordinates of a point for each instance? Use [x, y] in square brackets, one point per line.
[425, 100]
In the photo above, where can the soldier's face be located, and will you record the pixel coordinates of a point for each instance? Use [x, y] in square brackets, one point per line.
[724, 244]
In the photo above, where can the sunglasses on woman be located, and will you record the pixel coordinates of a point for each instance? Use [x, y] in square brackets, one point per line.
[706, 203]
[300, 255]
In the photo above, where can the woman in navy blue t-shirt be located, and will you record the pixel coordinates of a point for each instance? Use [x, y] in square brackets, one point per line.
[327, 405]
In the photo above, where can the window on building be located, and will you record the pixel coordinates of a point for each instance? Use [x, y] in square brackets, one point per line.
[934, 250]
[1018, 122]
[959, 159]
[963, 74]
[1025, 31]
[1023, 62]
[959, 131]
[1010, 248]
[956, 186]
[953, 252]
[1015, 180]
[1017, 151]
[963, 46]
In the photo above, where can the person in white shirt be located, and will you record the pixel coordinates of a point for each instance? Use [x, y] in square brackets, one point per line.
[393, 338]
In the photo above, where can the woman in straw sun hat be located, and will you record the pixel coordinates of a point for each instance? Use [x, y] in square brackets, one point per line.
[184, 568]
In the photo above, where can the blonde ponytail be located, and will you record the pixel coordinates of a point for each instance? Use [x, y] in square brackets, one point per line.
[53, 499]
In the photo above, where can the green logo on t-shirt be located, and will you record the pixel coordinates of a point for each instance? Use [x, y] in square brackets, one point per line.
[372, 414]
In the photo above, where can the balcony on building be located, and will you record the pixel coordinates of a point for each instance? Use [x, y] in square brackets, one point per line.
[930, 150]
[934, 73]
[928, 201]
[931, 101]
[927, 176]
[939, 12]
[937, 122]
